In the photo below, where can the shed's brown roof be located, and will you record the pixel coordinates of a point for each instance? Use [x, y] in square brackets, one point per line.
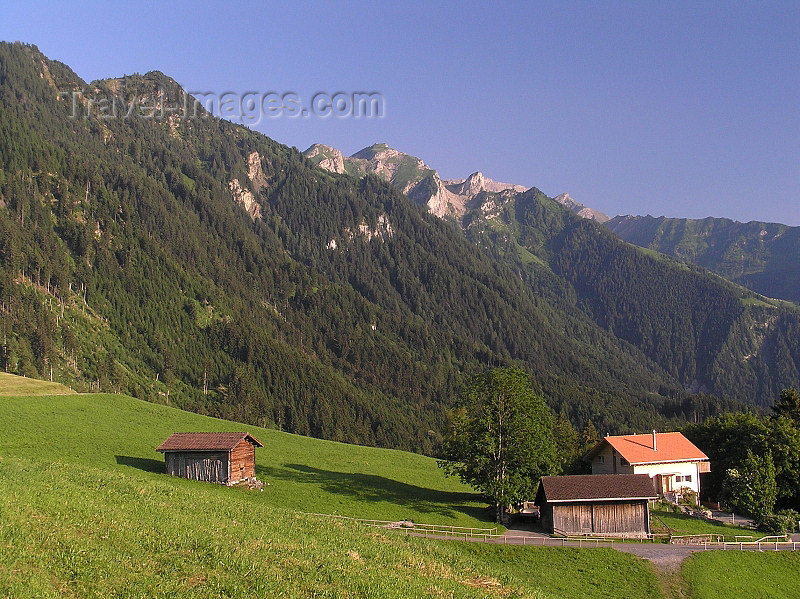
[206, 441]
[587, 487]
[638, 449]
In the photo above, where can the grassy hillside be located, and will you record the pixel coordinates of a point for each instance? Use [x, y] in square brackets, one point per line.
[11, 384]
[120, 433]
[85, 511]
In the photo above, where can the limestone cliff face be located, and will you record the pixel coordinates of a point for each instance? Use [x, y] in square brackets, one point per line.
[477, 182]
[245, 198]
[468, 191]
[254, 171]
[433, 193]
[382, 232]
[421, 183]
[402, 170]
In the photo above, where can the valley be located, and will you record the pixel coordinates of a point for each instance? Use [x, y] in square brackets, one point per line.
[452, 349]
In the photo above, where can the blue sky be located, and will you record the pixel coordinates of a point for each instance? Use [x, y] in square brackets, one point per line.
[667, 108]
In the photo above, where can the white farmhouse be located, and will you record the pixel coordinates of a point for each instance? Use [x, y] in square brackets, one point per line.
[670, 459]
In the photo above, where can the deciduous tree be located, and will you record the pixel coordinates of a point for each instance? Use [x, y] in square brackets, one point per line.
[751, 487]
[500, 438]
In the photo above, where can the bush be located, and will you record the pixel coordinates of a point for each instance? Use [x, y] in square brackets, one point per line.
[688, 497]
[778, 524]
[793, 518]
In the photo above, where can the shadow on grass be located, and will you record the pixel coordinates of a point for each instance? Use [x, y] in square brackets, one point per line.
[370, 487]
[146, 464]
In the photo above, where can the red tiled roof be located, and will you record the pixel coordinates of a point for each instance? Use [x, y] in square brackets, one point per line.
[586, 487]
[206, 441]
[638, 449]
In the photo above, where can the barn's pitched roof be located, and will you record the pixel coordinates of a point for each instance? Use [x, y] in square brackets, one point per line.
[596, 487]
[638, 449]
[206, 441]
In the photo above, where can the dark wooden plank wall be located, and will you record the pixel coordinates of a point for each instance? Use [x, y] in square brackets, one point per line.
[620, 517]
[201, 465]
[243, 461]
[606, 518]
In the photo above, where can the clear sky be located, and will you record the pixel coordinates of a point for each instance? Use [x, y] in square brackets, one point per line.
[664, 108]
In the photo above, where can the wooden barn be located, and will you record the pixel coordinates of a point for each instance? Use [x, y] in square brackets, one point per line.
[596, 504]
[225, 458]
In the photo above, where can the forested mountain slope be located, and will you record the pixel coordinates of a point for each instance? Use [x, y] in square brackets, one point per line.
[711, 335]
[193, 261]
[764, 257]
[692, 325]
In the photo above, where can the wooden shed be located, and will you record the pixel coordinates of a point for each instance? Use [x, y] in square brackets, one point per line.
[225, 458]
[596, 504]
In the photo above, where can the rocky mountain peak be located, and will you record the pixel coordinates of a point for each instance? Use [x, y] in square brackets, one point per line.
[444, 198]
[473, 185]
[581, 210]
[326, 157]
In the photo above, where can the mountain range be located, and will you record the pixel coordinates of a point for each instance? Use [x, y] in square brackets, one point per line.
[445, 198]
[764, 257]
[187, 260]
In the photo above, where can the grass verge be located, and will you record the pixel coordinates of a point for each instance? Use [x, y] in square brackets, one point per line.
[742, 574]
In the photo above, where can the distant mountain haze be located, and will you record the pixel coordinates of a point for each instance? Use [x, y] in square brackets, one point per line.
[764, 257]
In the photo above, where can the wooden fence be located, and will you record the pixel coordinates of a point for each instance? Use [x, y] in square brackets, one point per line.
[490, 535]
[424, 530]
[775, 542]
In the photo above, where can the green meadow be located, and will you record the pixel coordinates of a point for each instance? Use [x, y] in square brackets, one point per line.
[743, 574]
[119, 433]
[86, 511]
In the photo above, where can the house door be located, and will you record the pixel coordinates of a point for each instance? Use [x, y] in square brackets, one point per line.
[665, 482]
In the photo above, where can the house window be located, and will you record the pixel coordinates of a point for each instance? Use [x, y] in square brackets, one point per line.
[601, 459]
[685, 479]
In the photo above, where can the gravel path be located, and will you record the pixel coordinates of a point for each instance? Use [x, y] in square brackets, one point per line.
[665, 557]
